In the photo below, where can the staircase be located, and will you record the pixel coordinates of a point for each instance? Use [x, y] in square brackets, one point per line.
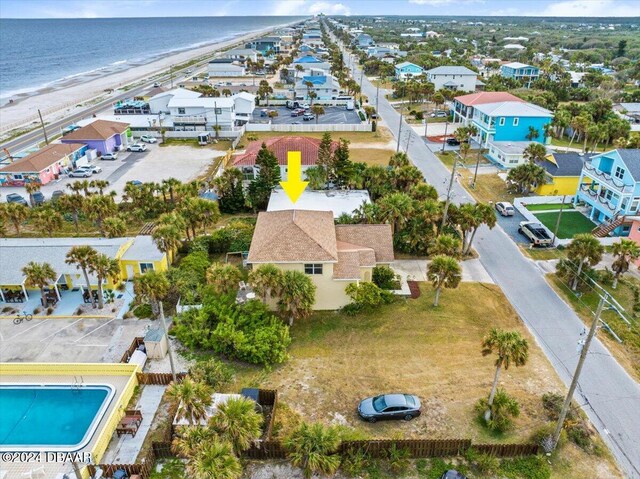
[604, 229]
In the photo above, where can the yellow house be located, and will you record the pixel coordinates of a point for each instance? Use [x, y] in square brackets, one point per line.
[563, 173]
[135, 255]
[332, 255]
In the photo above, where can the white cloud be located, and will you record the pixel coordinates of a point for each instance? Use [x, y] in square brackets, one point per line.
[287, 7]
[304, 7]
[443, 2]
[577, 8]
[328, 8]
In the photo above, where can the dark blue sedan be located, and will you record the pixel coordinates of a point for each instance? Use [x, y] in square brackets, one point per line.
[389, 406]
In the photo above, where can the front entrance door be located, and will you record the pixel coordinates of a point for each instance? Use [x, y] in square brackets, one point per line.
[129, 272]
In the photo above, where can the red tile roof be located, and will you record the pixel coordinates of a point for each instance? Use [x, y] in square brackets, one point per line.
[280, 145]
[487, 97]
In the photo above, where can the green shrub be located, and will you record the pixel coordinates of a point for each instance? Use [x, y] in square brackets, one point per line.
[481, 462]
[504, 407]
[398, 459]
[419, 115]
[532, 467]
[366, 296]
[212, 372]
[355, 463]
[542, 436]
[384, 277]
[170, 469]
[143, 311]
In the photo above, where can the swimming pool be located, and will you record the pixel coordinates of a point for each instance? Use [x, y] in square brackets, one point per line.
[50, 417]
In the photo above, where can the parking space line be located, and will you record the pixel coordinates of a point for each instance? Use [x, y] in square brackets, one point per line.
[60, 330]
[28, 329]
[94, 330]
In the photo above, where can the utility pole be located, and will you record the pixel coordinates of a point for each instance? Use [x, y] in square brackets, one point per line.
[426, 121]
[576, 375]
[361, 74]
[555, 230]
[171, 74]
[377, 92]
[444, 138]
[475, 174]
[399, 130]
[448, 202]
[44, 130]
[166, 333]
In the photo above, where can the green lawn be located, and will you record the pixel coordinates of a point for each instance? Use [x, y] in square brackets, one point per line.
[550, 207]
[571, 224]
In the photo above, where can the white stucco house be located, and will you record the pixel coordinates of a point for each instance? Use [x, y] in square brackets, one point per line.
[453, 78]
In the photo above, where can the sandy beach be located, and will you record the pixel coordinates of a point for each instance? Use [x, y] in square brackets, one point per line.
[57, 101]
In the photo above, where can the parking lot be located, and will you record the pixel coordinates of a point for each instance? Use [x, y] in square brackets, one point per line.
[332, 115]
[157, 163]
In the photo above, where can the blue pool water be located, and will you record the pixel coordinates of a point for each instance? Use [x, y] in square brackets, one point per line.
[50, 416]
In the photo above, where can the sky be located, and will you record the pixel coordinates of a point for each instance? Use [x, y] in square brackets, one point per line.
[178, 8]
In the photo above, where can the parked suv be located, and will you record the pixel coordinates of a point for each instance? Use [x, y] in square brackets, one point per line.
[109, 157]
[139, 147]
[16, 198]
[38, 198]
[148, 139]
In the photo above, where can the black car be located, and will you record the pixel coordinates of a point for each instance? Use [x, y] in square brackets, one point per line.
[453, 141]
[389, 406]
[453, 474]
[56, 195]
[16, 198]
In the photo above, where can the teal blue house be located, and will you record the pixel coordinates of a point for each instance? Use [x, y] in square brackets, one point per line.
[609, 186]
[510, 121]
[520, 71]
[406, 70]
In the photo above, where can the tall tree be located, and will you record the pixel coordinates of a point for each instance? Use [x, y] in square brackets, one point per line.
[83, 257]
[224, 278]
[342, 165]
[16, 213]
[313, 448]
[444, 272]
[297, 295]
[104, 268]
[483, 214]
[72, 204]
[231, 191]
[268, 178]
[214, 460]
[395, 209]
[624, 252]
[325, 156]
[46, 219]
[192, 399]
[40, 275]
[535, 153]
[98, 208]
[114, 227]
[266, 281]
[510, 347]
[31, 188]
[584, 249]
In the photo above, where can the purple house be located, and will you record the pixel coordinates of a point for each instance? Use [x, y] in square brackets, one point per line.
[101, 135]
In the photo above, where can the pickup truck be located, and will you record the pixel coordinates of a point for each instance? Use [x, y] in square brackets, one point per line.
[536, 233]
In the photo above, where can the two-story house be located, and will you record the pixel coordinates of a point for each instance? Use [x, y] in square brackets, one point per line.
[266, 45]
[325, 86]
[510, 121]
[520, 71]
[225, 67]
[406, 70]
[463, 106]
[609, 186]
[453, 78]
[333, 256]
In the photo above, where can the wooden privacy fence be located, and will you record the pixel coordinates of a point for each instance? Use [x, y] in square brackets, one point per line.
[108, 470]
[507, 450]
[160, 379]
[134, 345]
[268, 398]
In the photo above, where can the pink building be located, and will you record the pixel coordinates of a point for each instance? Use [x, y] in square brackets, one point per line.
[42, 166]
[634, 233]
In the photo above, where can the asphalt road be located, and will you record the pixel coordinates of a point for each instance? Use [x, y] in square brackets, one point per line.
[609, 396]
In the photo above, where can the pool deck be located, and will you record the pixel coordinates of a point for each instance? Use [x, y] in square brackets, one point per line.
[55, 470]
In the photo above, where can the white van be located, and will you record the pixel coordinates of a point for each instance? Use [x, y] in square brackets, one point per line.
[350, 105]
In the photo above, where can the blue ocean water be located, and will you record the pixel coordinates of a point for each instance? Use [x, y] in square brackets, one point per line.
[37, 52]
[47, 416]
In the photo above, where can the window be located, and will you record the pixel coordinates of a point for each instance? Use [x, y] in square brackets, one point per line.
[144, 267]
[516, 121]
[502, 121]
[181, 111]
[634, 205]
[619, 173]
[313, 269]
[218, 111]
[18, 176]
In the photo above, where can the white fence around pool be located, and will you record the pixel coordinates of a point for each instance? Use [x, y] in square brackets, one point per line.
[307, 128]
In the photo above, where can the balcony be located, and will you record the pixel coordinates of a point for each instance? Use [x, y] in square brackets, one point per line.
[189, 119]
[606, 179]
[598, 200]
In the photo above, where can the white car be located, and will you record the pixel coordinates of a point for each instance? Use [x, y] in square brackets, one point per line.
[139, 147]
[82, 172]
[148, 139]
[505, 208]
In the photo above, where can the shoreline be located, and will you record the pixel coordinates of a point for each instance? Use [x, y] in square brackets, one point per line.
[61, 97]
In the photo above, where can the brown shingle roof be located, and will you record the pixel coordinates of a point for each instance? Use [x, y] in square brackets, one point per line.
[42, 159]
[294, 236]
[280, 146]
[348, 265]
[376, 237]
[98, 130]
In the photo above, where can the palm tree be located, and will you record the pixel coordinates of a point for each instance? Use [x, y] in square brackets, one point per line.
[510, 347]
[317, 111]
[72, 204]
[238, 422]
[153, 286]
[224, 278]
[396, 209]
[297, 295]
[83, 257]
[114, 227]
[46, 219]
[31, 188]
[168, 238]
[39, 275]
[100, 185]
[444, 271]
[189, 440]
[533, 133]
[447, 245]
[484, 214]
[266, 281]
[535, 152]
[16, 213]
[313, 448]
[192, 398]
[214, 460]
[584, 249]
[171, 184]
[624, 253]
[98, 208]
[104, 268]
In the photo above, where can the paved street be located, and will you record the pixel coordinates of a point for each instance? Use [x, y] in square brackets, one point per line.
[609, 396]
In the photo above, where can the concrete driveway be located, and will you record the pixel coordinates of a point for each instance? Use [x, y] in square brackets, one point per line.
[416, 270]
[610, 397]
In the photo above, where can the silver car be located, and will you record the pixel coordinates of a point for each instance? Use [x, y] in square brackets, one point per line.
[505, 208]
[81, 172]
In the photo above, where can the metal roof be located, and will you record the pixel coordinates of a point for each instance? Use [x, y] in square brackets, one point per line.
[451, 70]
[513, 108]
